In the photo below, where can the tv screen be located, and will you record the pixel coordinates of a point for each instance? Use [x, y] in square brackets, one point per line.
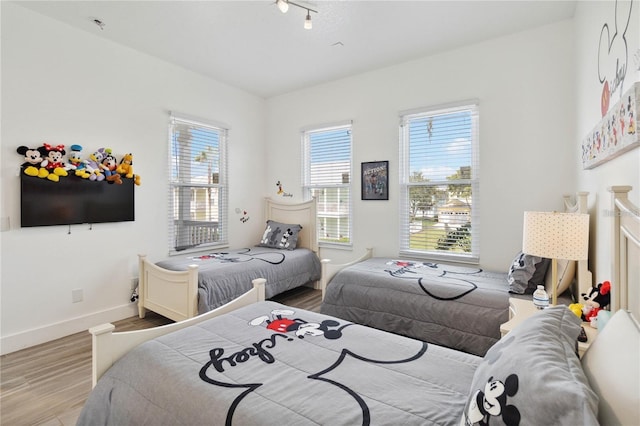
[74, 200]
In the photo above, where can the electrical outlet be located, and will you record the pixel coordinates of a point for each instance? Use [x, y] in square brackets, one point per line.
[77, 295]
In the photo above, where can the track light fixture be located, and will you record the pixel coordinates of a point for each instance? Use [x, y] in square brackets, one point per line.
[283, 5]
[307, 21]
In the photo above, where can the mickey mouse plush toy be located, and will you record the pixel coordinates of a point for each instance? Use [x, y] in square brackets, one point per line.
[33, 162]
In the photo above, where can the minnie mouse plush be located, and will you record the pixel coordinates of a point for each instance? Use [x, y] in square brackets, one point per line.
[53, 161]
[598, 298]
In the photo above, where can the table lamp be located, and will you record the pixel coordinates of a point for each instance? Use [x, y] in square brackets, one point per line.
[556, 236]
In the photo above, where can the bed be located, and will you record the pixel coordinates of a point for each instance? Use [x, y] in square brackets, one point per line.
[459, 307]
[182, 287]
[258, 362]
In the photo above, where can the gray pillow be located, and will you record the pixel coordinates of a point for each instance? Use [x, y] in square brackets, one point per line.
[526, 273]
[533, 376]
[280, 235]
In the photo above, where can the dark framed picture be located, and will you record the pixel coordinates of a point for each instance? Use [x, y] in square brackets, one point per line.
[375, 180]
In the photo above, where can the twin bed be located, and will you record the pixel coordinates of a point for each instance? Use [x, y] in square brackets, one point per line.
[184, 287]
[257, 362]
[454, 306]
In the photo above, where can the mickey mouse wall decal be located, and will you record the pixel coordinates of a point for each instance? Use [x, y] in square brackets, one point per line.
[244, 215]
[281, 191]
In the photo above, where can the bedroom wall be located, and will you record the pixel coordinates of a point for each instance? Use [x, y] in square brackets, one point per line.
[524, 83]
[68, 86]
[590, 17]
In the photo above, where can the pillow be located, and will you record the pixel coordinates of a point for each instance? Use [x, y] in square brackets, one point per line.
[526, 273]
[533, 376]
[566, 272]
[280, 235]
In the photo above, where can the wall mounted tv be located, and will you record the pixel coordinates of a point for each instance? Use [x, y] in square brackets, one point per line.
[73, 200]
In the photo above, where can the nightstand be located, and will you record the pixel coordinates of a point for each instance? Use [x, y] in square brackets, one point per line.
[521, 309]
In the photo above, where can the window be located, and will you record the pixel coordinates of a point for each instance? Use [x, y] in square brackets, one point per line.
[327, 177]
[197, 185]
[439, 183]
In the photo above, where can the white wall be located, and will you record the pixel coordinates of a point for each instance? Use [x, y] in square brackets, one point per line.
[525, 86]
[625, 169]
[67, 86]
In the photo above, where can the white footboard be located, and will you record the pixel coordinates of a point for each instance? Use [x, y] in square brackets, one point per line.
[108, 346]
[172, 294]
[329, 269]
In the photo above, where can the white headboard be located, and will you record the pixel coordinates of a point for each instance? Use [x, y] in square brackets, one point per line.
[303, 214]
[612, 362]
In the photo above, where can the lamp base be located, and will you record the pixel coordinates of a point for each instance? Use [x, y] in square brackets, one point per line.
[554, 282]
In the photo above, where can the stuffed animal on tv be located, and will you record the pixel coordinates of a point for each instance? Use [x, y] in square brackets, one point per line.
[126, 168]
[93, 165]
[32, 165]
[109, 165]
[598, 298]
[53, 161]
[75, 162]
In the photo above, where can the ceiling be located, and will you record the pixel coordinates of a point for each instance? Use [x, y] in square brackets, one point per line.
[253, 46]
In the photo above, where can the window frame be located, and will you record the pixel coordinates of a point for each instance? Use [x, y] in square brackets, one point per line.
[472, 257]
[221, 186]
[307, 186]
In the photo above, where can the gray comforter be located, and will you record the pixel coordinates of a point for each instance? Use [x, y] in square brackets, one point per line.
[268, 364]
[453, 306]
[227, 274]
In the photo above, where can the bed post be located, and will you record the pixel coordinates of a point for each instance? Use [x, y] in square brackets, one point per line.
[192, 292]
[141, 285]
[101, 337]
[258, 285]
[323, 275]
[619, 193]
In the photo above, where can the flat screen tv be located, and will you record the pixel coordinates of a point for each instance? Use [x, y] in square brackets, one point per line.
[74, 200]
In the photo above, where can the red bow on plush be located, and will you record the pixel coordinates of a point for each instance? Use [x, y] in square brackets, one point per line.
[57, 147]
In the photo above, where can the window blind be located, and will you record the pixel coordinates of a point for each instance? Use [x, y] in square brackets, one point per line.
[198, 188]
[327, 177]
[439, 168]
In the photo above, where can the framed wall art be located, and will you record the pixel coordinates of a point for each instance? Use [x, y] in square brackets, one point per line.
[616, 133]
[375, 180]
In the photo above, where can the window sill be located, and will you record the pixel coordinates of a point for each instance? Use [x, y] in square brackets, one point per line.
[454, 258]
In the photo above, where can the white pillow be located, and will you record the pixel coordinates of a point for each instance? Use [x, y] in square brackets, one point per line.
[566, 273]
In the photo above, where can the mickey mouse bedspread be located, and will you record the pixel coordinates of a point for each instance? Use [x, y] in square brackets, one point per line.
[453, 306]
[224, 275]
[269, 364]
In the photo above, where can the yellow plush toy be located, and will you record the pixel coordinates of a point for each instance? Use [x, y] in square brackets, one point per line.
[576, 308]
[125, 168]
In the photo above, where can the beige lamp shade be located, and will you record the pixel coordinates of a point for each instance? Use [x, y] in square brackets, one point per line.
[556, 235]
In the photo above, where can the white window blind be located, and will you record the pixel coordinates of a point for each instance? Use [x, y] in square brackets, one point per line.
[197, 185]
[439, 216]
[327, 177]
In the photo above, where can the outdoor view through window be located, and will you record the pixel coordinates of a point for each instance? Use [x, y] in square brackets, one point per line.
[440, 182]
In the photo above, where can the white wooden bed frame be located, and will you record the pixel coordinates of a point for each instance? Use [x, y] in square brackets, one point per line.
[619, 396]
[174, 294]
[583, 275]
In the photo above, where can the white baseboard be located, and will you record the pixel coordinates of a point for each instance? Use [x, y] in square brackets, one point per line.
[36, 336]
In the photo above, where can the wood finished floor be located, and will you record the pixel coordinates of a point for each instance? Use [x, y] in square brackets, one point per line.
[49, 383]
